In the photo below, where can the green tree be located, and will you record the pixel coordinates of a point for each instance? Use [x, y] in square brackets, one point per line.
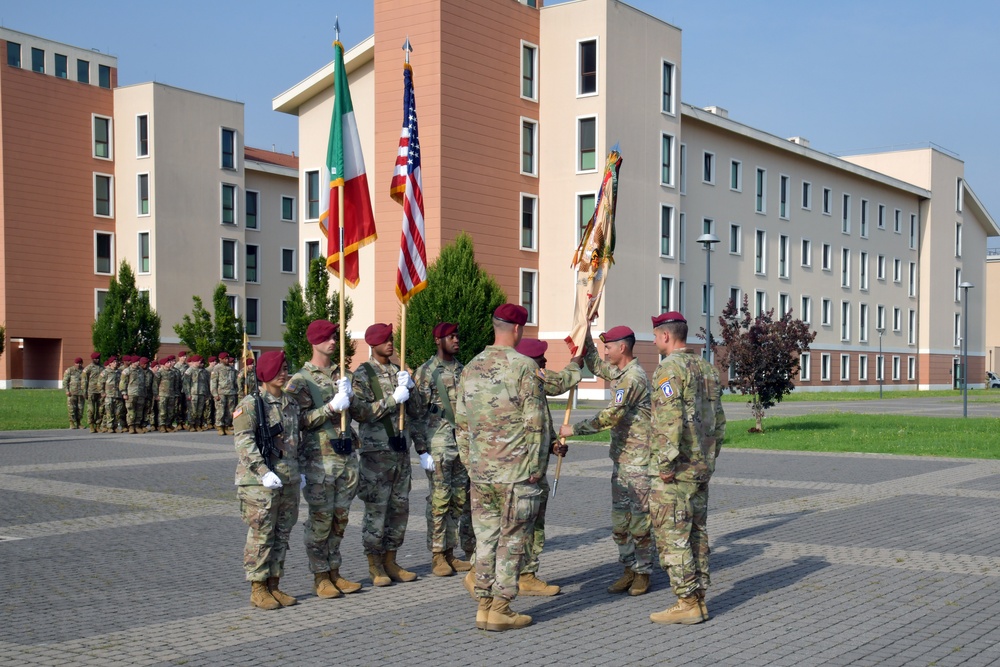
[3, 339]
[316, 302]
[127, 324]
[228, 329]
[195, 330]
[297, 348]
[460, 291]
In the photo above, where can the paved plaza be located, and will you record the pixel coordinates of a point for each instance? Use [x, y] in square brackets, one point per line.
[126, 550]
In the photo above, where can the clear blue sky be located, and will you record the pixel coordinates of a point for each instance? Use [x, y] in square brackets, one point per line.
[851, 76]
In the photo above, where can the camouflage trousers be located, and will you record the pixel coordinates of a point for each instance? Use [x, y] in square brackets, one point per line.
[630, 523]
[167, 404]
[181, 409]
[75, 408]
[384, 486]
[196, 411]
[208, 412]
[535, 539]
[95, 409]
[449, 512]
[679, 511]
[149, 413]
[270, 515]
[224, 410]
[502, 515]
[114, 412]
[136, 409]
[329, 497]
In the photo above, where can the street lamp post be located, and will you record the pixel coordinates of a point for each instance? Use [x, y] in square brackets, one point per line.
[708, 240]
[965, 287]
[880, 330]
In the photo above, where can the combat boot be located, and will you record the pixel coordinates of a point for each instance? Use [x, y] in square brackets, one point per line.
[483, 613]
[469, 581]
[220, 430]
[456, 564]
[162, 429]
[502, 618]
[93, 429]
[440, 566]
[323, 587]
[395, 572]
[701, 603]
[529, 584]
[260, 597]
[375, 568]
[640, 585]
[687, 611]
[283, 599]
[342, 584]
[624, 581]
[131, 430]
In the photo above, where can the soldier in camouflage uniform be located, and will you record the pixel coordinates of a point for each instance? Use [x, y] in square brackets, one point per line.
[688, 426]
[75, 394]
[628, 418]
[448, 512]
[385, 476]
[208, 414]
[165, 390]
[198, 381]
[149, 407]
[114, 409]
[183, 387]
[268, 490]
[133, 387]
[500, 418]
[245, 379]
[92, 390]
[225, 389]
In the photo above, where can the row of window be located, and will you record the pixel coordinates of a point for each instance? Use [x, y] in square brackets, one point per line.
[60, 63]
[103, 140]
[805, 370]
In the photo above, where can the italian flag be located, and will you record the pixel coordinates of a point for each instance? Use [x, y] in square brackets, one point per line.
[346, 170]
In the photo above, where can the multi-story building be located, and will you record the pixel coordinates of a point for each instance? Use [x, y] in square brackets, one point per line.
[515, 121]
[992, 312]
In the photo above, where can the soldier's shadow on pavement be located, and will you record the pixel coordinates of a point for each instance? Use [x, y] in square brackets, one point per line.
[746, 589]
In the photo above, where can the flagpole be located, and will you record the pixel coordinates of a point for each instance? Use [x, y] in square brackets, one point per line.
[402, 327]
[562, 439]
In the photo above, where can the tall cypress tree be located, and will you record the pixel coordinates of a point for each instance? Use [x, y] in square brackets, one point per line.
[228, 329]
[128, 323]
[195, 330]
[317, 302]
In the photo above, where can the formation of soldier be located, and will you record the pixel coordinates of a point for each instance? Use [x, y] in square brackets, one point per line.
[131, 394]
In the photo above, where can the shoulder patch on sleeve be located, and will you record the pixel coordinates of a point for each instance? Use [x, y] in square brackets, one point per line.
[292, 385]
[619, 396]
[237, 412]
[541, 374]
[667, 390]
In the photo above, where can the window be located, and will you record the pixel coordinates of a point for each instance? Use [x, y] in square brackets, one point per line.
[708, 227]
[104, 261]
[102, 137]
[529, 138]
[13, 54]
[824, 367]
[959, 195]
[735, 239]
[228, 204]
[863, 322]
[760, 302]
[783, 196]
[784, 304]
[100, 298]
[228, 148]
[897, 221]
[667, 87]
[708, 168]
[312, 196]
[913, 232]
[760, 252]
[827, 201]
[103, 76]
[529, 71]
[958, 281]
[529, 214]
[783, 256]
[253, 316]
[253, 203]
[880, 267]
[958, 239]
[143, 252]
[913, 280]
[680, 296]
[666, 160]
[895, 367]
[911, 331]
[880, 317]
[142, 136]
[863, 270]
[761, 203]
[681, 232]
[736, 296]
[529, 294]
[897, 319]
[827, 312]
[62, 65]
[284, 311]
[805, 309]
[911, 368]
[897, 271]
[586, 138]
[253, 262]
[228, 259]
[142, 187]
[807, 252]
[666, 294]
[666, 231]
[804, 369]
[103, 188]
[864, 218]
[807, 195]
[37, 60]
[312, 251]
[736, 176]
[233, 302]
[287, 209]
[845, 220]
[707, 298]
[845, 320]
[827, 257]
[587, 83]
[288, 259]
[863, 367]
[683, 167]
[845, 267]
[83, 71]
[584, 212]
[881, 216]
[845, 367]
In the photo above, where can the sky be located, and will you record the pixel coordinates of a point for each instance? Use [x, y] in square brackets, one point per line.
[851, 76]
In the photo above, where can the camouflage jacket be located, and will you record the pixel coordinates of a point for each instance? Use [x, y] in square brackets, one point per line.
[688, 424]
[149, 378]
[92, 379]
[165, 383]
[553, 384]
[500, 417]
[197, 381]
[430, 429]
[628, 415]
[245, 381]
[183, 379]
[370, 412]
[109, 380]
[251, 466]
[73, 381]
[133, 383]
[319, 425]
[223, 380]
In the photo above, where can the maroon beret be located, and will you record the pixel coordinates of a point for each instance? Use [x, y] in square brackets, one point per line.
[78, 360]
[211, 359]
[672, 316]
[532, 347]
[155, 364]
[143, 360]
[445, 329]
[249, 361]
[320, 331]
[270, 365]
[616, 333]
[195, 358]
[508, 312]
[112, 358]
[95, 355]
[378, 333]
[223, 355]
[170, 357]
[182, 353]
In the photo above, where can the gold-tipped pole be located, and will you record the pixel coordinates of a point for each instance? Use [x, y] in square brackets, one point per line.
[562, 439]
[343, 267]
[402, 361]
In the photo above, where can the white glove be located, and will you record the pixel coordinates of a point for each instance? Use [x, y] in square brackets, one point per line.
[270, 480]
[339, 402]
[344, 386]
[426, 462]
[302, 481]
[403, 379]
[401, 394]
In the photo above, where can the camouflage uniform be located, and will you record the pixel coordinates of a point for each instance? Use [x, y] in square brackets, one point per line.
[244, 381]
[133, 387]
[208, 412]
[92, 391]
[152, 395]
[448, 512]
[500, 417]
[198, 382]
[628, 417]
[385, 474]
[224, 387]
[166, 386]
[114, 408]
[688, 426]
[73, 381]
[269, 513]
[183, 392]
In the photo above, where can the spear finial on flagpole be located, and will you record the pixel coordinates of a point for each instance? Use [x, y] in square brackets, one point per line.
[336, 28]
[408, 49]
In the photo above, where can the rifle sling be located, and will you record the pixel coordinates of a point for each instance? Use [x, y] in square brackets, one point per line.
[376, 386]
[448, 412]
[318, 402]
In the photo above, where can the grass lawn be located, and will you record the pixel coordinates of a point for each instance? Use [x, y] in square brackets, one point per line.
[31, 409]
[979, 395]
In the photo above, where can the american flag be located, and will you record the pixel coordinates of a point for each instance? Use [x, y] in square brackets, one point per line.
[407, 190]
